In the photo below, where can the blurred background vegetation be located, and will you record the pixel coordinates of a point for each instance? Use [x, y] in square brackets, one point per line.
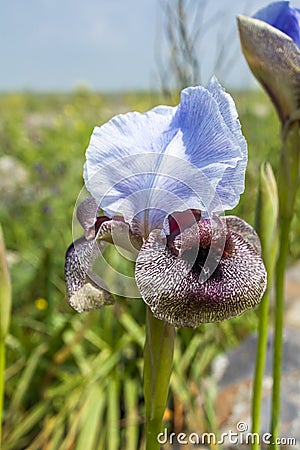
[75, 381]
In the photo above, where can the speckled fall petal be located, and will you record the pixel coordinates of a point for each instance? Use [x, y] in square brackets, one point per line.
[86, 214]
[170, 283]
[84, 291]
[245, 230]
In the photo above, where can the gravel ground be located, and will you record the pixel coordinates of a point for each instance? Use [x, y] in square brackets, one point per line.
[234, 372]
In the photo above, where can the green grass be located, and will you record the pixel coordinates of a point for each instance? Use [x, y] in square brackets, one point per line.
[71, 379]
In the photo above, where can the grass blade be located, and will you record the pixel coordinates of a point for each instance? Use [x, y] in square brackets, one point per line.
[25, 381]
[113, 419]
[131, 410]
[91, 420]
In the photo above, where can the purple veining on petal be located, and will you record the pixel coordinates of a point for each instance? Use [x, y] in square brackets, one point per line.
[195, 152]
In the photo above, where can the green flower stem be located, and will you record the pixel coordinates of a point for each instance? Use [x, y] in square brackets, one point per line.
[158, 358]
[267, 228]
[261, 352]
[288, 183]
[279, 313]
[5, 311]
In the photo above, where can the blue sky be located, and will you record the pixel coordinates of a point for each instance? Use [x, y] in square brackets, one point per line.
[108, 45]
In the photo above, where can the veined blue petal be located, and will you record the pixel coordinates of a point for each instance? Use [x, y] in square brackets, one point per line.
[147, 187]
[229, 114]
[213, 139]
[283, 17]
[128, 134]
[146, 166]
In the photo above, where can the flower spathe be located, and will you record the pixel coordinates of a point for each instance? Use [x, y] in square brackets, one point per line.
[270, 43]
[160, 180]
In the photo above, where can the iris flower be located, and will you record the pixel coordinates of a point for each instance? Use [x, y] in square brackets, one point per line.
[282, 16]
[159, 182]
[270, 42]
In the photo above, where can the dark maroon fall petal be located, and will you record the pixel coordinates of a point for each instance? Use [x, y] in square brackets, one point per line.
[180, 220]
[170, 282]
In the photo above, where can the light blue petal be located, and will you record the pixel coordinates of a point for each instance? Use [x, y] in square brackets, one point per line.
[146, 166]
[147, 187]
[283, 17]
[233, 182]
[229, 113]
[211, 134]
[127, 134]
